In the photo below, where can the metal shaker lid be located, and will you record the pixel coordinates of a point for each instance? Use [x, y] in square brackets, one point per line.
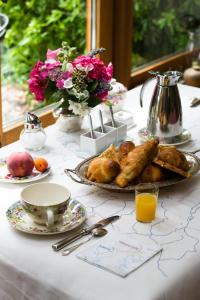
[32, 121]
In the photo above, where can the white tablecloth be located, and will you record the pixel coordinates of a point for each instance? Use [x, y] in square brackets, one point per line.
[29, 269]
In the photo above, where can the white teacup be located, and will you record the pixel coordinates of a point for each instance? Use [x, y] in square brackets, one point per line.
[45, 202]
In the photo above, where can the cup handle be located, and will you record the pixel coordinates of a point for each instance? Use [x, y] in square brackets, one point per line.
[50, 217]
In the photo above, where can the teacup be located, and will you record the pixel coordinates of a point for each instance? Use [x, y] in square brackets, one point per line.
[45, 202]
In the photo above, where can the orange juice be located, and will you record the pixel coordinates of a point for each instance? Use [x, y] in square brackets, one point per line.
[145, 207]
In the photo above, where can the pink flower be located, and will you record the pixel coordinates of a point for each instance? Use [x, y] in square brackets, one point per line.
[52, 65]
[99, 71]
[60, 84]
[109, 70]
[38, 80]
[102, 95]
[86, 75]
[52, 54]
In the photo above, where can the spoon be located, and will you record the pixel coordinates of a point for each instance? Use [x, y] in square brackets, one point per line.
[96, 232]
[101, 121]
[91, 127]
[112, 116]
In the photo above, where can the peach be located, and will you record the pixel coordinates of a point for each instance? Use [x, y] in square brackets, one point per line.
[41, 164]
[20, 164]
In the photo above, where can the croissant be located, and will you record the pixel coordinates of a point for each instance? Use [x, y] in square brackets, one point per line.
[137, 159]
[111, 153]
[123, 151]
[174, 157]
[102, 170]
[174, 160]
[152, 173]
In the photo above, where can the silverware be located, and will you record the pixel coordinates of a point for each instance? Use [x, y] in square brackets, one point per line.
[91, 127]
[64, 242]
[112, 116]
[101, 121]
[96, 232]
[195, 102]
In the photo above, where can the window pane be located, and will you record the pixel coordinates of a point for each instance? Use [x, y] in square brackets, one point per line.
[162, 28]
[35, 26]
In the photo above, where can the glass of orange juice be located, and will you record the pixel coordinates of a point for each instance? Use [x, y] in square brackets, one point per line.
[146, 196]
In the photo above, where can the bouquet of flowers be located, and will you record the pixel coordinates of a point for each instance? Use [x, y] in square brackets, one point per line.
[78, 83]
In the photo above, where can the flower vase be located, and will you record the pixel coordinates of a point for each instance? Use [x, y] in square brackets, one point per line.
[69, 123]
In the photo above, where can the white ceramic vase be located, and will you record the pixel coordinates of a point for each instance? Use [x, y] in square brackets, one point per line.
[69, 123]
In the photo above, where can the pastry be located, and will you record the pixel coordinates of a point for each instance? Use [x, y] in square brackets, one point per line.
[137, 159]
[123, 151]
[110, 153]
[102, 170]
[174, 160]
[152, 173]
[174, 157]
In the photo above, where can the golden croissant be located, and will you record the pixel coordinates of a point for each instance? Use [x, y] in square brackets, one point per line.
[136, 161]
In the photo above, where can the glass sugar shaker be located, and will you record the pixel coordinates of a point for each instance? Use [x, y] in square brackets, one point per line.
[33, 136]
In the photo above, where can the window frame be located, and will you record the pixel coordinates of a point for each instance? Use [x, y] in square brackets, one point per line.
[113, 32]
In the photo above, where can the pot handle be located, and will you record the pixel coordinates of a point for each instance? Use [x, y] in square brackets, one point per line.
[142, 90]
[82, 181]
[69, 171]
[195, 151]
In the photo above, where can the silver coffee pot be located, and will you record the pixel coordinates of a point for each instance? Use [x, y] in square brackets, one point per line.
[165, 111]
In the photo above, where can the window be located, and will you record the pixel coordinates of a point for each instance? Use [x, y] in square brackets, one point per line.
[166, 35]
[45, 25]
[139, 35]
[162, 28]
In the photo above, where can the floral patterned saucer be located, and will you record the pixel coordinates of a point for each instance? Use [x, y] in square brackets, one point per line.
[6, 177]
[18, 219]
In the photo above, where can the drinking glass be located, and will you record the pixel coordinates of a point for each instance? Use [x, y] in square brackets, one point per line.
[146, 196]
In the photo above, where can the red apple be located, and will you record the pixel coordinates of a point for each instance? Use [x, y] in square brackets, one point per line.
[20, 164]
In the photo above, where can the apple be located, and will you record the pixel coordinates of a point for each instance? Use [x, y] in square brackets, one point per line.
[20, 164]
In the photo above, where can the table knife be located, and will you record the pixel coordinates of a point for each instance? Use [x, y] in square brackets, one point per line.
[68, 240]
[195, 102]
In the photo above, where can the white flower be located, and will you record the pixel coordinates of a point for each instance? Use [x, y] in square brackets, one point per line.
[68, 83]
[50, 60]
[81, 96]
[69, 67]
[86, 69]
[80, 109]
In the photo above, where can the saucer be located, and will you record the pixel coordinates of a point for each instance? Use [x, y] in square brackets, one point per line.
[73, 218]
[35, 175]
[180, 139]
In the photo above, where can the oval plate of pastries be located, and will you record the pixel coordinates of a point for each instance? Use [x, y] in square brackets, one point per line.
[120, 169]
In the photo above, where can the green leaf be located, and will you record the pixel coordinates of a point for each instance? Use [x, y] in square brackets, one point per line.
[93, 101]
[92, 86]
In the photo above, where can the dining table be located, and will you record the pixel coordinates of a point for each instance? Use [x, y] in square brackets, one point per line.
[31, 270]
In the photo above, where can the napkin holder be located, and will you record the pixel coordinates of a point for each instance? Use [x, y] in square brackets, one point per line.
[102, 140]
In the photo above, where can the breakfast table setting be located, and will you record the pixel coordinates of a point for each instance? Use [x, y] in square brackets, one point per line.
[119, 257]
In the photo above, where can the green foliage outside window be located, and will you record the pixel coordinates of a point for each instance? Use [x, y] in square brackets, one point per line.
[35, 26]
[159, 28]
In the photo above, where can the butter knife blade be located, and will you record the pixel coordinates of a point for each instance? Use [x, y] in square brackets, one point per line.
[68, 240]
[195, 102]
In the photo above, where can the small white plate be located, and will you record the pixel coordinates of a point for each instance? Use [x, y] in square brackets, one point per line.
[180, 139]
[6, 177]
[73, 218]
